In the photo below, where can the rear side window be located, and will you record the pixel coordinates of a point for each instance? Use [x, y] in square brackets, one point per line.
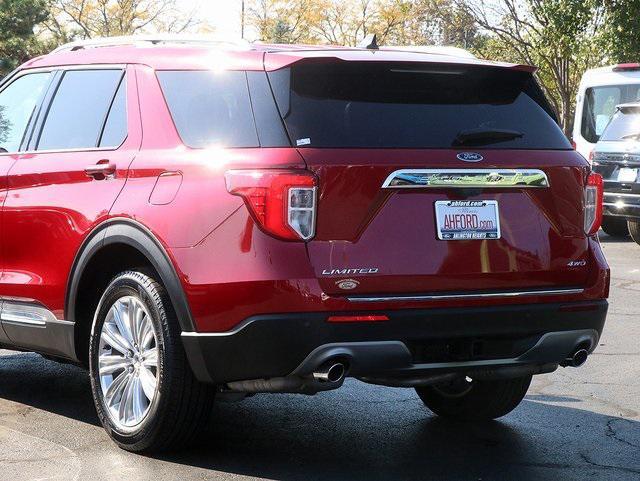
[210, 108]
[79, 109]
[397, 105]
[17, 104]
[625, 125]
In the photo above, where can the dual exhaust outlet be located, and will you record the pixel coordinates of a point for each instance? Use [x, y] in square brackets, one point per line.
[327, 376]
[577, 359]
[330, 371]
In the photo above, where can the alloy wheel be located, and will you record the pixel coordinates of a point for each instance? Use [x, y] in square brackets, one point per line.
[128, 362]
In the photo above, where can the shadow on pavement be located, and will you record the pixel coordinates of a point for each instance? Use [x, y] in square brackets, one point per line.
[362, 432]
[62, 389]
[607, 239]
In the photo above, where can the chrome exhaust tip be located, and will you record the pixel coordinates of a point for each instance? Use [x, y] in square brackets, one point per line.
[577, 359]
[330, 372]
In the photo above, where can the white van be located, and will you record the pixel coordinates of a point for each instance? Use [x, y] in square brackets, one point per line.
[601, 89]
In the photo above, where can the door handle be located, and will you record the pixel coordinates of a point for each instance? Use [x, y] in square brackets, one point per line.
[101, 170]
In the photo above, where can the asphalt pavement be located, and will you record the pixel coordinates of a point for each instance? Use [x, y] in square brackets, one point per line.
[574, 424]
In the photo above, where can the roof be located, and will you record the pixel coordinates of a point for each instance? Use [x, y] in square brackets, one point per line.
[203, 53]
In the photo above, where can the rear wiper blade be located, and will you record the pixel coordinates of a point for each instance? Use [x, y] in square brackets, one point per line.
[482, 136]
[630, 136]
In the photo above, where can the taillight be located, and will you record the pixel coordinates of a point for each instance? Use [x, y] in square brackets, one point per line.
[593, 194]
[573, 144]
[283, 202]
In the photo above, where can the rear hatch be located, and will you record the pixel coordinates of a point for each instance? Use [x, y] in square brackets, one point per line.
[435, 177]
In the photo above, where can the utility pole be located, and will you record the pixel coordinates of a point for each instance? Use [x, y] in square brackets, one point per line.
[242, 21]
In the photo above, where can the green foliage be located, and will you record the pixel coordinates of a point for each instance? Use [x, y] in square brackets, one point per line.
[17, 21]
[620, 36]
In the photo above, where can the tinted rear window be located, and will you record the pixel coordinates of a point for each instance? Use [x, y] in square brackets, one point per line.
[210, 108]
[625, 125]
[380, 105]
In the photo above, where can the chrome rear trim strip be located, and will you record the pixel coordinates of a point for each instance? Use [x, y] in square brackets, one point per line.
[614, 194]
[485, 295]
[466, 179]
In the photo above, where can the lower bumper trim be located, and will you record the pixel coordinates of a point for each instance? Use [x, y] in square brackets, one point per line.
[281, 345]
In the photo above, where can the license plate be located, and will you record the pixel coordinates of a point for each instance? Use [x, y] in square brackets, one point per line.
[467, 219]
[627, 175]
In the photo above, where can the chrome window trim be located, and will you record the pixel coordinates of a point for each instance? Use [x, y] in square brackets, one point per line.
[485, 295]
[467, 179]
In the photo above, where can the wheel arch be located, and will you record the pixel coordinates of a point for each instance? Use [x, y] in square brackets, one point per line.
[138, 240]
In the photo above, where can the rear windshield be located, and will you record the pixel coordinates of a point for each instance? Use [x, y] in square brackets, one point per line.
[625, 125]
[382, 105]
[600, 104]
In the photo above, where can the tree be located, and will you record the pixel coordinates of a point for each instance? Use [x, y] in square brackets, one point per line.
[347, 22]
[71, 19]
[284, 21]
[17, 21]
[621, 30]
[556, 35]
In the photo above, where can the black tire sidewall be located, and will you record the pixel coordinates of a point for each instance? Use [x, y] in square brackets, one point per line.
[615, 226]
[634, 230]
[142, 287]
[486, 400]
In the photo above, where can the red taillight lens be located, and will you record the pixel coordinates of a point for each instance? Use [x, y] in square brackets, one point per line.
[283, 202]
[593, 194]
[573, 144]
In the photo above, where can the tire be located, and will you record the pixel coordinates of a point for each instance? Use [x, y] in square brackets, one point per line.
[157, 416]
[477, 400]
[615, 226]
[634, 230]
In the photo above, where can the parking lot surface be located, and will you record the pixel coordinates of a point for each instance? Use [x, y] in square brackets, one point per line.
[574, 424]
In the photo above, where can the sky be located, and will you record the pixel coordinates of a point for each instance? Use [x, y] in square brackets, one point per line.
[224, 15]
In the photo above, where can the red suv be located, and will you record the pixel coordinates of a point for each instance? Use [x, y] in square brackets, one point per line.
[192, 220]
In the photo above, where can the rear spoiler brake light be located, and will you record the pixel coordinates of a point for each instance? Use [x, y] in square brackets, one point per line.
[628, 67]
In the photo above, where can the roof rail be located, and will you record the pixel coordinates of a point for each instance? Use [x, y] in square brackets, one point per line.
[204, 40]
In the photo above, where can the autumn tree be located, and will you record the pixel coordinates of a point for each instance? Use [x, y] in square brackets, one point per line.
[284, 21]
[347, 22]
[71, 19]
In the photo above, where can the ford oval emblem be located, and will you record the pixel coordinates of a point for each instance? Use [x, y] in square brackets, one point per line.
[470, 156]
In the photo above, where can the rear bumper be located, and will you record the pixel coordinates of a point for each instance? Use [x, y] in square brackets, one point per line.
[412, 343]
